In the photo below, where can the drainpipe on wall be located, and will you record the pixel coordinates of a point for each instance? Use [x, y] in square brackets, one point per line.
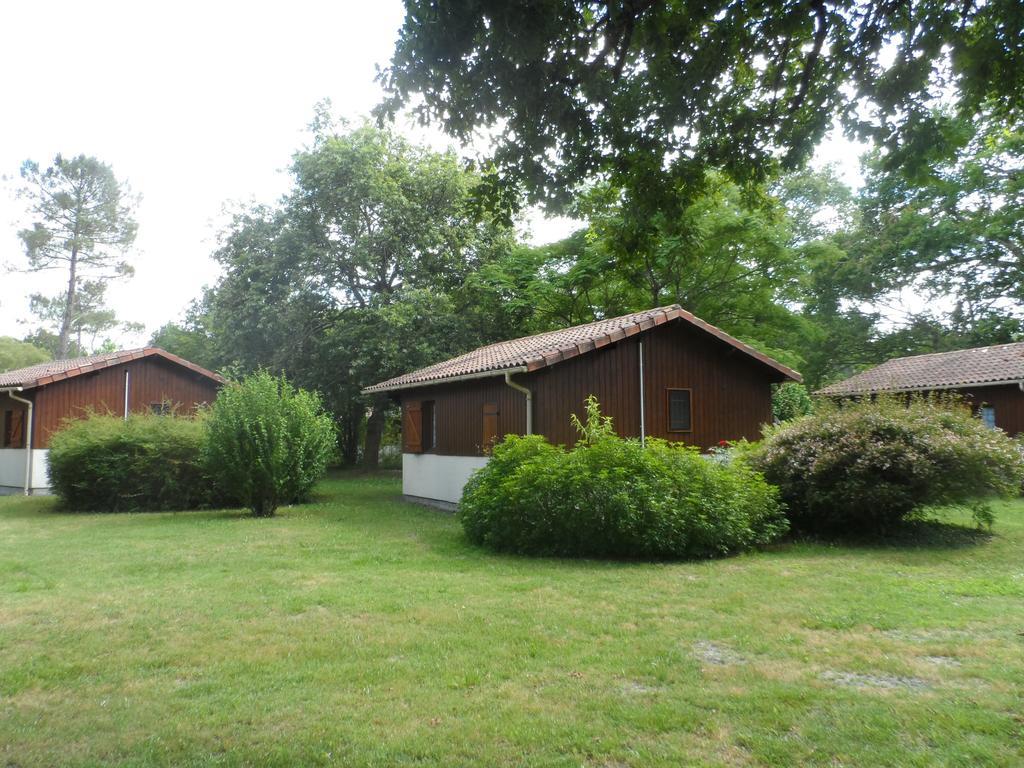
[1020, 386]
[127, 384]
[643, 436]
[28, 437]
[529, 400]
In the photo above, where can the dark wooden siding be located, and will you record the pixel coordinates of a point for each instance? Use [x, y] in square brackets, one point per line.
[611, 374]
[459, 411]
[8, 403]
[731, 393]
[1008, 402]
[153, 380]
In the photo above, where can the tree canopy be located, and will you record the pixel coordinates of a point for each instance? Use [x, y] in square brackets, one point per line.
[650, 95]
[957, 230]
[16, 354]
[380, 260]
[81, 222]
[358, 275]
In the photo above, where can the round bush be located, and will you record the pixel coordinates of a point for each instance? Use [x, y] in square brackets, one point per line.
[862, 467]
[613, 497]
[267, 443]
[107, 463]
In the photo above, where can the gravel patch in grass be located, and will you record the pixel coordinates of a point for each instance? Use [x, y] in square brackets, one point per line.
[943, 661]
[712, 653]
[925, 635]
[637, 688]
[859, 680]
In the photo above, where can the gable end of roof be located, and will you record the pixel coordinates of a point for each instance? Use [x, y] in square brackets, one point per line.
[532, 353]
[58, 370]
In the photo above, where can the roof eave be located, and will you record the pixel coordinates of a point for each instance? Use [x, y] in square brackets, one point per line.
[377, 389]
[925, 388]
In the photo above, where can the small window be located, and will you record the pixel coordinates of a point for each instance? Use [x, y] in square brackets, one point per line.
[988, 416]
[161, 409]
[429, 425]
[679, 411]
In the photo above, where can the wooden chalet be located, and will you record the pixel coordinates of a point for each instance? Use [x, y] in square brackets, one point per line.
[35, 401]
[661, 373]
[990, 379]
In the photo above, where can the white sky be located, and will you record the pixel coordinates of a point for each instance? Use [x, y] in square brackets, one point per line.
[198, 106]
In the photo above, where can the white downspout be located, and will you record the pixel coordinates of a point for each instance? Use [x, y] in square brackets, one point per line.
[28, 438]
[643, 437]
[529, 400]
[127, 383]
[1020, 386]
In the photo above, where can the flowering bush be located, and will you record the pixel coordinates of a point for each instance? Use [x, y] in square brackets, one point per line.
[863, 466]
[1019, 440]
[613, 497]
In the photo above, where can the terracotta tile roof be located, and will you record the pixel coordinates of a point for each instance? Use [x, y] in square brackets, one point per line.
[55, 370]
[940, 370]
[533, 352]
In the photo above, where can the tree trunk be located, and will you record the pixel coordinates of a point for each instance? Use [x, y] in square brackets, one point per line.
[69, 306]
[348, 434]
[374, 433]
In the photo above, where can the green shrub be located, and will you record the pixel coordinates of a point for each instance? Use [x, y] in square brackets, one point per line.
[1018, 441]
[862, 467]
[613, 497]
[791, 401]
[110, 464]
[267, 443]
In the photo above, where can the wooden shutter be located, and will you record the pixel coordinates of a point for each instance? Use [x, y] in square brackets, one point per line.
[14, 429]
[412, 427]
[490, 427]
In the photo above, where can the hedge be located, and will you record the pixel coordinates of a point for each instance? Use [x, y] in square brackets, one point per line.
[106, 463]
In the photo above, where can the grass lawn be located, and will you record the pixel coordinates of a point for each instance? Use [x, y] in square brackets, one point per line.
[360, 630]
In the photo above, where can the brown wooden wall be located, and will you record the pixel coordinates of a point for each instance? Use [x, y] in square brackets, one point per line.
[459, 410]
[153, 380]
[1008, 402]
[730, 393]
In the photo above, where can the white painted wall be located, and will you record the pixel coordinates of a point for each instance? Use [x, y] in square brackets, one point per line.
[12, 470]
[437, 477]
